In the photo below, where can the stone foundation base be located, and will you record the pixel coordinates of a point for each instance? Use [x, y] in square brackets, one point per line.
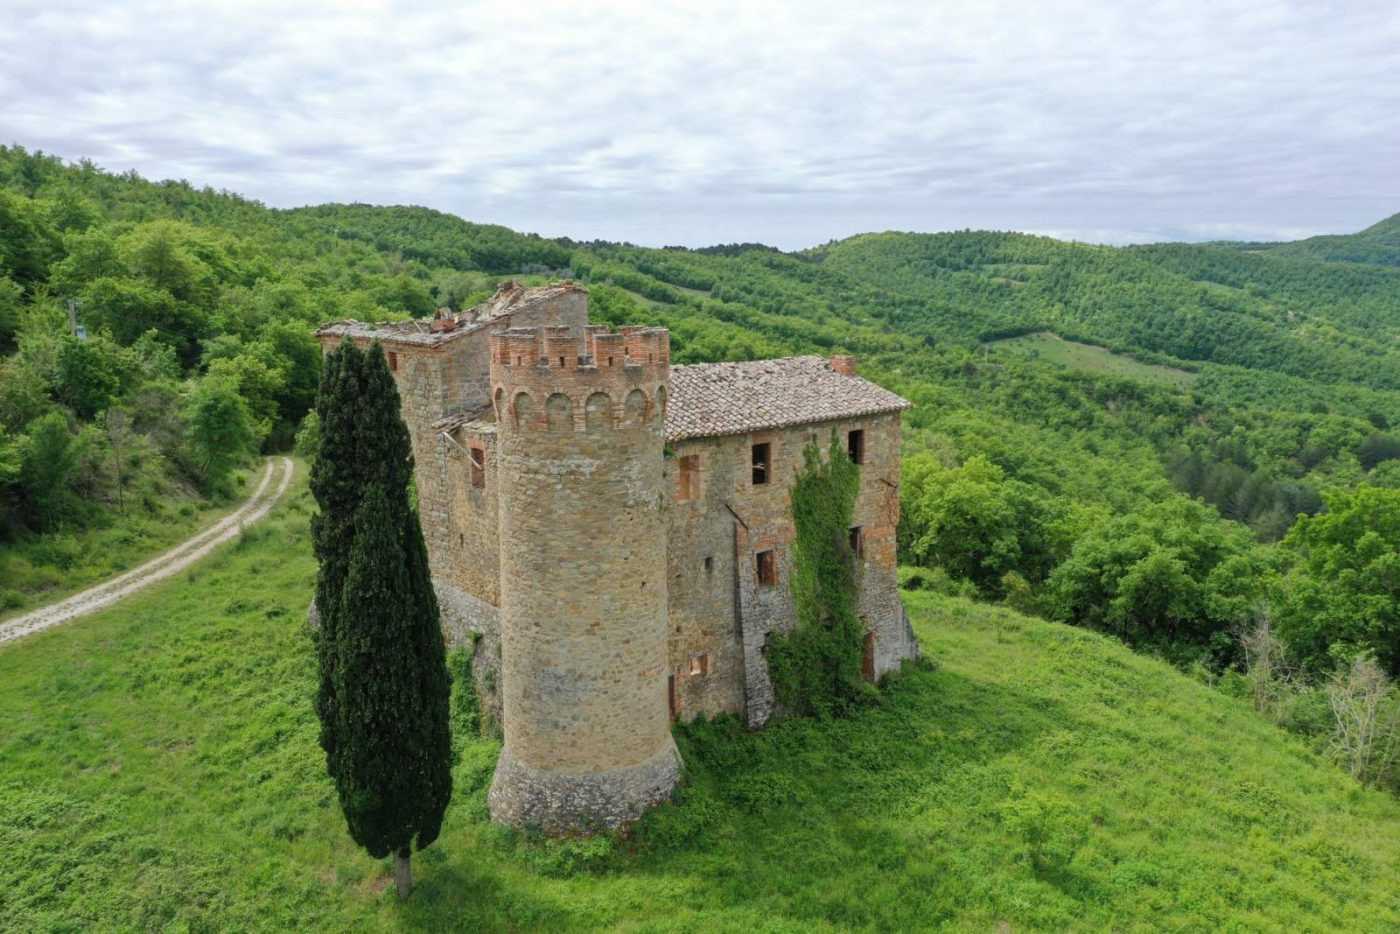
[564, 802]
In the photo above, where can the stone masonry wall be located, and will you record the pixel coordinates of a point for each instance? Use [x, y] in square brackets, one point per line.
[704, 613]
[765, 523]
[435, 381]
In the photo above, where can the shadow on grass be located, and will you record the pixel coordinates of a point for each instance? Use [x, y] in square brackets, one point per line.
[451, 894]
[820, 821]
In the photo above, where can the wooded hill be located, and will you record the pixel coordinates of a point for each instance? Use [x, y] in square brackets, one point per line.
[1378, 244]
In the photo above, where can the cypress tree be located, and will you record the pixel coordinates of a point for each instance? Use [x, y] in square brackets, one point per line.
[384, 686]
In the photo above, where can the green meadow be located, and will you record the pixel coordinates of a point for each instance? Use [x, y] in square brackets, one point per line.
[1087, 358]
[159, 771]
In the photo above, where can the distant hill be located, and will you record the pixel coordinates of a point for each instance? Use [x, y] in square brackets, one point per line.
[1377, 245]
[1208, 304]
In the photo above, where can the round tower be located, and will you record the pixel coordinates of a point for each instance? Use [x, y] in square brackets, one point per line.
[583, 576]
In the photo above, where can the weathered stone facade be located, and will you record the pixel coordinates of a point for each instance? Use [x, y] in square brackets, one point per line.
[601, 532]
[734, 520]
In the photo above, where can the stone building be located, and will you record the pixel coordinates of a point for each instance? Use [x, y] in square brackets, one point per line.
[611, 533]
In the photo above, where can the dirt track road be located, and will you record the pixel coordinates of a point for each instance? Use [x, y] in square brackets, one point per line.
[159, 567]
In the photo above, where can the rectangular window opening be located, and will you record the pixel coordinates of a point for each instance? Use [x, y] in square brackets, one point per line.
[855, 446]
[765, 563]
[858, 542]
[393, 361]
[761, 458]
[700, 664]
[688, 478]
[478, 458]
[709, 565]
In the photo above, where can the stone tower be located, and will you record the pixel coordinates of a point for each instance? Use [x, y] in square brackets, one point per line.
[583, 576]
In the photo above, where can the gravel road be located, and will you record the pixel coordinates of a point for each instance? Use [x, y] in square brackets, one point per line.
[159, 567]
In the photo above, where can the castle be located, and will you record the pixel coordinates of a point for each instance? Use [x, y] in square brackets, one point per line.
[611, 533]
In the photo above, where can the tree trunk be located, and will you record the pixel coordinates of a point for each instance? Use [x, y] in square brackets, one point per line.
[403, 873]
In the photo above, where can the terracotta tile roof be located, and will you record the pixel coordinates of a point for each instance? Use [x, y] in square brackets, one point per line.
[709, 399]
[509, 298]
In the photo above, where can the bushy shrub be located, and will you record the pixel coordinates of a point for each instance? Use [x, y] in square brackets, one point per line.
[935, 580]
[1048, 827]
[466, 708]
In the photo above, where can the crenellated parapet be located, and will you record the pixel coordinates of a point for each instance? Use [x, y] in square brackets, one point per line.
[559, 378]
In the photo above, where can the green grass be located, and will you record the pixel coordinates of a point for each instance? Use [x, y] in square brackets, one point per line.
[159, 770]
[42, 569]
[1090, 359]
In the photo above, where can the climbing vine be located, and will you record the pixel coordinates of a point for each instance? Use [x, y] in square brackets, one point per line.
[816, 668]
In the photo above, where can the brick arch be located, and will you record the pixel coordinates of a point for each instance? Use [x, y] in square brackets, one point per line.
[597, 411]
[559, 412]
[634, 408]
[522, 408]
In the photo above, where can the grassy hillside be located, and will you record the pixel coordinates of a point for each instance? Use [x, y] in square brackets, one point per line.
[159, 769]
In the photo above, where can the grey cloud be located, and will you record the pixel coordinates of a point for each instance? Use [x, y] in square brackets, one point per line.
[780, 122]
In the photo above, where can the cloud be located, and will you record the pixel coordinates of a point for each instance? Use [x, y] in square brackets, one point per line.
[692, 122]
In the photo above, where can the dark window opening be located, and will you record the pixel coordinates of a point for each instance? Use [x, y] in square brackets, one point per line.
[610, 363]
[561, 363]
[867, 662]
[700, 664]
[760, 463]
[855, 446]
[478, 458]
[858, 542]
[767, 566]
[709, 565]
[688, 478]
[393, 361]
[671, 695]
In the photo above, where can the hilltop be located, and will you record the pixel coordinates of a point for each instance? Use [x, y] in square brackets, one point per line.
[162, 771]
[1378, 245]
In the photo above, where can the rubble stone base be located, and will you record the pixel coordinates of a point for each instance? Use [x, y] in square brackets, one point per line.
[561, 802]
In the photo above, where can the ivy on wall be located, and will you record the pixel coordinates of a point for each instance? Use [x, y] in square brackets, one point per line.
[816, 668]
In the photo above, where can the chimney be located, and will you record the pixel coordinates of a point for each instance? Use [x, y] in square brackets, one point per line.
[844, 364]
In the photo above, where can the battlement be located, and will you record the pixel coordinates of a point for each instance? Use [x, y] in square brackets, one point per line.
[556, 378]
[565, 348]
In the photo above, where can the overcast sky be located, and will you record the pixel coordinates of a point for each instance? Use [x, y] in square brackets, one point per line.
[695, 123]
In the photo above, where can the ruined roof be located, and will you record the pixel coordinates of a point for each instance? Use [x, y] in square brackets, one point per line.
[709, 399]
[481, 420]
[510, 297]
